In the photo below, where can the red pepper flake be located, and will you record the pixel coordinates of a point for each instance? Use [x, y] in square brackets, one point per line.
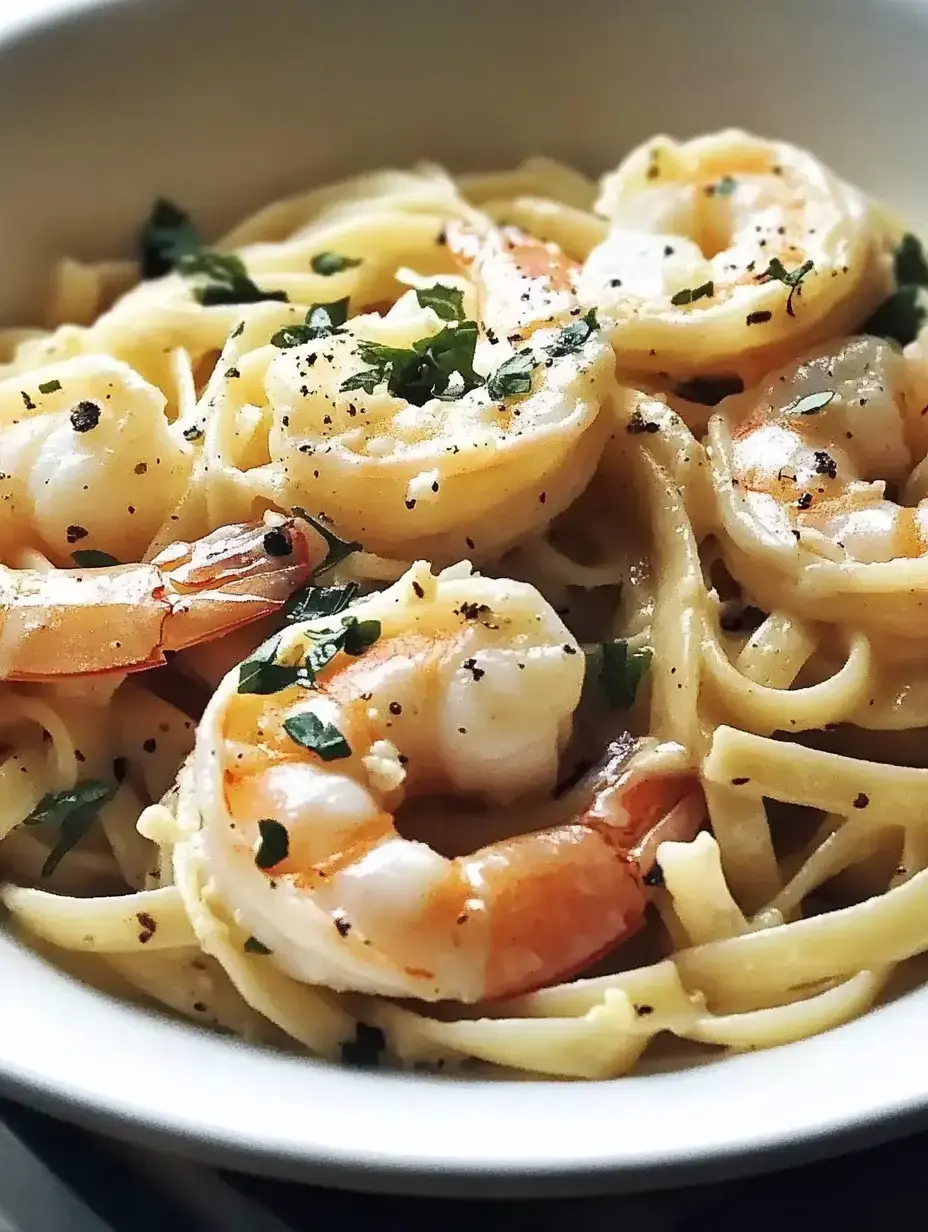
[757, 318]
[74, 534]
[861, 800]
[148, 926]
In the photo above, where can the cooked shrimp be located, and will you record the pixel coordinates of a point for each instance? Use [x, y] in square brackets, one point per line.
[812, 449]
[124, 618]
[88, 460]
[727, 254]
[808, 468]
[423, 434]
[451, 683]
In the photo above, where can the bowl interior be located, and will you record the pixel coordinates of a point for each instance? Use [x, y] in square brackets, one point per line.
[222, 104]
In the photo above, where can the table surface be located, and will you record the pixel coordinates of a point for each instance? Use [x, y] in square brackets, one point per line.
[54, 1178]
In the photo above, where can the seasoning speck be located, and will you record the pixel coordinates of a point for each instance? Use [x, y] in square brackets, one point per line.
[85, 416]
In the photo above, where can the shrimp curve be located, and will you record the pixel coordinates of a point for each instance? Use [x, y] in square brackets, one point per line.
[452, 433]
[726, 255]
[125, 618]
[801, 466]
[450, 683]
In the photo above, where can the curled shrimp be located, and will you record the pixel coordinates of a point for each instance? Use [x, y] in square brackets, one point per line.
[807, 467]
[728, 253]
[424, 433]
[454, 683]
[88, 460]
[124, 618]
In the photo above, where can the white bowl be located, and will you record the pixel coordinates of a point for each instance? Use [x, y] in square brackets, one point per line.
[222, 104]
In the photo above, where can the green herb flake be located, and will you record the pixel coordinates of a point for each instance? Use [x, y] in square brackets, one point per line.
[513, 376]
[689, 295]
[574, 336]
[359, 635]
[777, 271]
[900, 317]
[354, 637]
[445, 302]
[910, 265]
[254, 946]
[90, 558]
[329, 263]
[262, 675]
[324, 739]
[224, 279]
[321, 321]
[315, 601]
[273, 844]
[165, 239]
[73, 812]
[337, 549]
[811, 404]
[620, 673]
[424, 370]
[49, 387]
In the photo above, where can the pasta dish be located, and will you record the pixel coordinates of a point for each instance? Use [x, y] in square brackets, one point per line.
[478, 620]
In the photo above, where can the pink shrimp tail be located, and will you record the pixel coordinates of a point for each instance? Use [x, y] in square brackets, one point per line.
[124, 618]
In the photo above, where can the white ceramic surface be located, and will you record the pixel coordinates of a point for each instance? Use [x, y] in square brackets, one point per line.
[221, 104]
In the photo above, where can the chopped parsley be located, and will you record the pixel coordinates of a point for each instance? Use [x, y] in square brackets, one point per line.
[273, 844]
[910, 266]
[902, 314]
[261, 674]
[445, 302]
[49, 387]
[689, 295]
[513, 376]
[325, 739]
[811, 404]
[899, 317]
[337, 549]
[321, 321]
[620, 671]
[776, 271]
[354, 637]
[73, 812]
[329, 263]
[314, 601]
[425, 369]
[574, 336]
[224, 279]
[90, 558]
[166, 237]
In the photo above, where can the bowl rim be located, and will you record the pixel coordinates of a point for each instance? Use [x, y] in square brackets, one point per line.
[141, 1076]
[144, 1077]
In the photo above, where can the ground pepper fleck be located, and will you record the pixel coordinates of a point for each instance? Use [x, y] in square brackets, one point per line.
[85, 416]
